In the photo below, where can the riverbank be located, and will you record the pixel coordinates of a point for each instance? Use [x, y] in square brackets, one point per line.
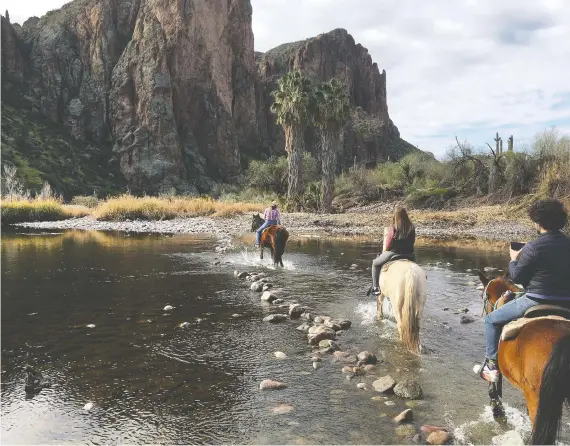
[483, 223]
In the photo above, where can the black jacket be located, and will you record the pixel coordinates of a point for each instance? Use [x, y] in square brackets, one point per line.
[543, 267]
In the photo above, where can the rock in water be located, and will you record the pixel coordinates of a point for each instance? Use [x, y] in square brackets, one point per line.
[384, 384]
[266, 287]
[275, 318]
[344, 324]
[428, 428]
[308, 317]
[322, 333]
[366, 357]
[362, 386]
[296, 310]
[439, 437]
[243, 275]
[282, 409]
[465, 319]
[404, 416]
[321, 319]
[236, 273]
[303, 327]
[90, 325]
[409, 389]
[267, 296]
[316, 365]
[508, 438]
[280, 355]
[168, 308]
[256, 286]
[269, 384]
[88, 406]
[184, 325]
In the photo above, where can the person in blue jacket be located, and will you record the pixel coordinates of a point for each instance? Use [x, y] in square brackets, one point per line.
[542, 267]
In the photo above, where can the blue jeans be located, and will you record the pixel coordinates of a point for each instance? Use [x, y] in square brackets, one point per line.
[261, 228]
[496, 320]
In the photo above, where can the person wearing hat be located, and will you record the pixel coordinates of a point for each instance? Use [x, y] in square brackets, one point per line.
[272, 217]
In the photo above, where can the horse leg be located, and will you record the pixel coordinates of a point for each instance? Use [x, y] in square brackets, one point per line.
[379, 309]
[495, 393]
[261, 252]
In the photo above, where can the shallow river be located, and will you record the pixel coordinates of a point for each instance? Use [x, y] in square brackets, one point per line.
[152, 382]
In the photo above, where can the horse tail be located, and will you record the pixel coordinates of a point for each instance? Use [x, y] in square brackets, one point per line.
[410, 310]
[280, 239]
[554, 390]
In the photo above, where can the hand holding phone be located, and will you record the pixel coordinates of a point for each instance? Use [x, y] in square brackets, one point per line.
[517, 246]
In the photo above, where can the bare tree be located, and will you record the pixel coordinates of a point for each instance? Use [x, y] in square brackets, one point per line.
[467, 167]
[496, 172]
[11, 185]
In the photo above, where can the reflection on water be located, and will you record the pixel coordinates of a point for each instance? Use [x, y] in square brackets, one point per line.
[153, 382]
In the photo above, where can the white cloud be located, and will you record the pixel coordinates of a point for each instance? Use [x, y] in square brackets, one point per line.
[467, 68]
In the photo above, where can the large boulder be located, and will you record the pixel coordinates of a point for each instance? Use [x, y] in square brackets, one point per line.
[409, 389]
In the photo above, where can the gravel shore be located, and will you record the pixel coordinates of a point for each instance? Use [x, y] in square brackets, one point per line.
[304, 224]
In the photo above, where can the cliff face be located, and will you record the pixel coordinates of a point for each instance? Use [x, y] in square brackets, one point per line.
[335, 54]
[170, 91]
[170, 84]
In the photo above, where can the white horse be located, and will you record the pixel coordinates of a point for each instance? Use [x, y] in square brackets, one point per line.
[405, 284]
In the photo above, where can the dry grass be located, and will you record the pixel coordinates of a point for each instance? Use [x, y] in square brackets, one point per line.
[18, 211]
[152, 208]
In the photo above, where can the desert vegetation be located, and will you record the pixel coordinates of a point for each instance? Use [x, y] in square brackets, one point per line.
[465, 177]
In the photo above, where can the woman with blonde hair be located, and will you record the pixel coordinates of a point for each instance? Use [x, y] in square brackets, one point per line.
[399, 241]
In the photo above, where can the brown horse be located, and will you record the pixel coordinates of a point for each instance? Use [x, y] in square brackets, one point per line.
[274, 237]
[536, 361]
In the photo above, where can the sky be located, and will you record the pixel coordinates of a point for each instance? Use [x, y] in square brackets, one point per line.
[465, 68]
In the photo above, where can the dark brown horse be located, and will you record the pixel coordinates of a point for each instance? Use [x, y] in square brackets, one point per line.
[273, 237]
[536, 361]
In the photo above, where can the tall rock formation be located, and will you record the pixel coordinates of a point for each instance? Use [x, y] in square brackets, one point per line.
[170, 84]
[170, 91]
[335, 54]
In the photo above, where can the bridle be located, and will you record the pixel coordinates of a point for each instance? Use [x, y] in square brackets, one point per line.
[487, 300]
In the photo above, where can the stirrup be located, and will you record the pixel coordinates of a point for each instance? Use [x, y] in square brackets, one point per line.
[482, 366]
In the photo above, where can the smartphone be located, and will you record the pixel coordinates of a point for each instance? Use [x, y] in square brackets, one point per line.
[517, 246]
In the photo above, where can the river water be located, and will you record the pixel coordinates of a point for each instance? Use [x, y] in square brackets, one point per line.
[152, 382]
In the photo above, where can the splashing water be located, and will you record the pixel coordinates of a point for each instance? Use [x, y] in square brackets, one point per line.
[519, 421]
[251, 258]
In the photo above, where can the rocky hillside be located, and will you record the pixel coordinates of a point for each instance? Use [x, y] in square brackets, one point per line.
[170, 91]
[371, 135]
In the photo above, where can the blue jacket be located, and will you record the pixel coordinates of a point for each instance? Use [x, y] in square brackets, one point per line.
[543, 267]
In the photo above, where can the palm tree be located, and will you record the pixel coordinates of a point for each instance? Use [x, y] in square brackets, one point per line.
[292, 104]
[333, 111]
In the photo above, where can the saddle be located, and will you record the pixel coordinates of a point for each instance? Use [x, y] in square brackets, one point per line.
[538, 312]
[396, 258]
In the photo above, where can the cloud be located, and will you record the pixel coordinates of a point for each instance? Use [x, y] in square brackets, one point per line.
[467, 68]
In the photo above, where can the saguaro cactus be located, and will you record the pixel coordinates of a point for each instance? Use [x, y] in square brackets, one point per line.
[510, 143]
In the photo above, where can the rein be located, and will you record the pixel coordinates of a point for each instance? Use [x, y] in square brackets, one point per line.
[487, 301]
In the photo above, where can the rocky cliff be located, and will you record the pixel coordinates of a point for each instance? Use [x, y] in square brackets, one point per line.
[170, 91]
[169, 84]
[371, 136]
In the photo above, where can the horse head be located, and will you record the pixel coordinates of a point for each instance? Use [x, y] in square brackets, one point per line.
[256, 222]
[494, 290]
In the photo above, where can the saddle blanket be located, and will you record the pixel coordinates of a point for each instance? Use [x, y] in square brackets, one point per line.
[512, 329]
[394, 260]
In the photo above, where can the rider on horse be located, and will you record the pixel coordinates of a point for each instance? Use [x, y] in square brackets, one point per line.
[542, 267]
[399, 241]
[272, 217]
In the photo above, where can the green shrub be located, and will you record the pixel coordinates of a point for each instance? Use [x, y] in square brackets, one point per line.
[435, 198]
